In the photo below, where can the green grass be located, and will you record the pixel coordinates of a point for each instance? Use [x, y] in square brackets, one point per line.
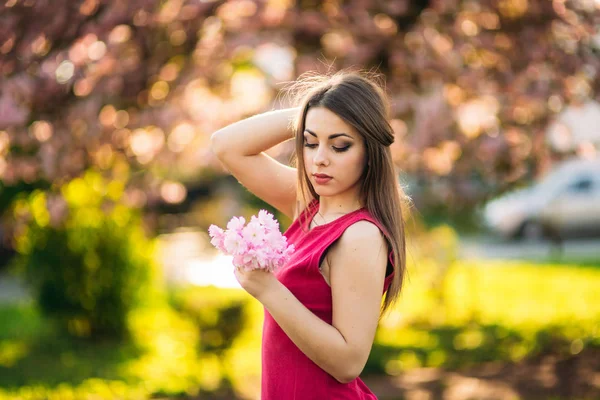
[470, 314]
[71, 362]
[162, 359]
[20, 321]
[502, 311]
[42, 364]
[570, 261]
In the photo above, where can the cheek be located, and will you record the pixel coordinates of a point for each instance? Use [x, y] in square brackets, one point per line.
[352, 167]
[358, 163]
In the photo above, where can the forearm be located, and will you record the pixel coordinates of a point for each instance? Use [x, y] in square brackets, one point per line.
[318, 340]
[255, 134]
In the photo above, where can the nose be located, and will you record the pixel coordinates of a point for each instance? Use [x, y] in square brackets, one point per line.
[321, 157]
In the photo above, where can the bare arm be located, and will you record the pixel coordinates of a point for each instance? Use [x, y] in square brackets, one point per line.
[255, 134]
[357, 276]
[240, 147]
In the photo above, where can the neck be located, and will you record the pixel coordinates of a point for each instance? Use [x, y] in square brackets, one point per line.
[336, 206]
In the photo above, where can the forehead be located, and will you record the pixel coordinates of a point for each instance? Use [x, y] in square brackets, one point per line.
[322, 121]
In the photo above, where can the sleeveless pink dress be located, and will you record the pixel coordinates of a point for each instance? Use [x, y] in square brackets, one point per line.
[288, 374]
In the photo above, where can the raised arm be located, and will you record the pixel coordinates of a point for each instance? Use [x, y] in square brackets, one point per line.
[240, 147]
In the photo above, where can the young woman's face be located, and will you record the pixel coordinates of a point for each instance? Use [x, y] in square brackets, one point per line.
[332, 148]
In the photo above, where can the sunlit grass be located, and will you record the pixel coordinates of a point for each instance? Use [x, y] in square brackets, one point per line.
[161, 360]
[525, 294]
[498, 311]
[208, 339]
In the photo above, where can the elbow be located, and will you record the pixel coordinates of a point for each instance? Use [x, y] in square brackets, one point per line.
[215, 144]
[349, 372]
[346, 377]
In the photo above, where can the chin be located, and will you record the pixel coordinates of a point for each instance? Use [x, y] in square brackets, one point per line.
[326, 192]
[319, 190]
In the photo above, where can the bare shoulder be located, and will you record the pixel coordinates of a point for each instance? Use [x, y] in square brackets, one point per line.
[361, 245]
[364, 235]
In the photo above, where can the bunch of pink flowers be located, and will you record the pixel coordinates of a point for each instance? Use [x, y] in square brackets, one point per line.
[258, 245]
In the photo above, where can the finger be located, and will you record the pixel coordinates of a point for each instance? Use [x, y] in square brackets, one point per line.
[239, 272]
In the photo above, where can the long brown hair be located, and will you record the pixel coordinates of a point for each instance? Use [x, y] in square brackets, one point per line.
[360, 100]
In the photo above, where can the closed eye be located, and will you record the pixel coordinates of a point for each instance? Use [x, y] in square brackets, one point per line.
[340, 149]
[336, 149]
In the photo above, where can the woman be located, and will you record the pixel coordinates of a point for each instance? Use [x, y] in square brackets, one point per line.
[322, 308]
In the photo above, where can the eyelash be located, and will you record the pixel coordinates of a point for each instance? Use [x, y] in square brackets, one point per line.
[336, 149]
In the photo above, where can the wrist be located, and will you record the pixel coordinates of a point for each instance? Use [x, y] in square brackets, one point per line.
[270, 292]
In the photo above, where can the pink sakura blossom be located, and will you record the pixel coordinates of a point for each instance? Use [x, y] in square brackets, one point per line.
[235, 243]
[217, 236]
[254, 233]
[276, 240]
[257, 245]
[236, 224]
[266, 219]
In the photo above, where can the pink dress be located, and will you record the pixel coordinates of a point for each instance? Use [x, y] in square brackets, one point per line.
[288, 374]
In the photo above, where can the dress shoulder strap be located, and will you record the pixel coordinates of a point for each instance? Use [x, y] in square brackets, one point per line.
[336, 229]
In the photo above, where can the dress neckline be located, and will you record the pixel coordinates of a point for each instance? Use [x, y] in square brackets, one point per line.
[313, 208]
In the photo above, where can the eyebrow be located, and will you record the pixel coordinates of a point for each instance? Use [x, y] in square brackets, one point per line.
[332, 136]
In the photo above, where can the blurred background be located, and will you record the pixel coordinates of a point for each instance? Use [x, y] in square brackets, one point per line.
[108, 285]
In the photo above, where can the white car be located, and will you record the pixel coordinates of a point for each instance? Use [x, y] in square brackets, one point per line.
[564, 202]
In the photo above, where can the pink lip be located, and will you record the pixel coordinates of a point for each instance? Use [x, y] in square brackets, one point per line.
[321, 179]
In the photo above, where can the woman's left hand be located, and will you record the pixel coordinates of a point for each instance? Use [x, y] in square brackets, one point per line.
[256, 282]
